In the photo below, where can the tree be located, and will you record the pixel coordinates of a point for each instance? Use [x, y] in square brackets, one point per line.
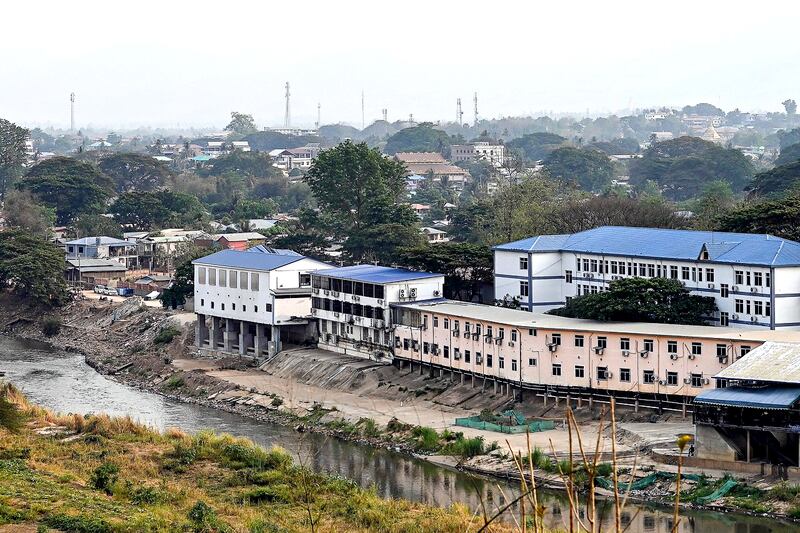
[703, 109]
[466, 267]
[591, 169]
[251, 164]
[776, 181]
[682, 167]
[581, 213]
[790, 105]
[773, 216]
[660, 300]
[13, 154]
[69, 186]
[21, 211]
[788, 138]
[144, 211]
[789, 154]
[135, 172]
[717, 199]
[182, 285]
[90, 224]
[306, 235]
[536, 146]
[32, 268]
[421, 138]
[241, 124]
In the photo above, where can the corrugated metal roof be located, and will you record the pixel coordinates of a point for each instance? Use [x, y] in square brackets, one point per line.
[771, 397]
[376, 274]
[247, 260]
[686, 245]
[104, 241]
[772, 361]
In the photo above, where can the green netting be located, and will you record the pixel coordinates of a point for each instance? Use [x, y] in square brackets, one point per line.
[475, 422]
[644, 482]
[719, 493]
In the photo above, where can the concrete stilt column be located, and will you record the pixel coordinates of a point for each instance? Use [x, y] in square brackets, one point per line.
[215, 333]
[749, 451]
[472, 384]
[494, 383]
[230, 335]
[245, 337]
[462, 378]
[200, 331]
[275, 344]
[259, 341]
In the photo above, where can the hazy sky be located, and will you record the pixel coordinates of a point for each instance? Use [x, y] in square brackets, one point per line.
[191, 63]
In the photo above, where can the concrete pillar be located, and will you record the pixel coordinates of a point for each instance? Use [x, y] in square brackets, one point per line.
[245, 337]
[472, 384]
[749, 453]
[259, 341]
[275, 345]
[215, 333]
[494, 383]
[231, 334]
[200, 331]
[462, 378]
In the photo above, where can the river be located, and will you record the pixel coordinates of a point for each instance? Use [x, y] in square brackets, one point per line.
[64, 383]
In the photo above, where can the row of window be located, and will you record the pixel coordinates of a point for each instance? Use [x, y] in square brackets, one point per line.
[338, 306]
[221, 277]
[233, 306]
[759, 307]
[752, 279]
[649, 377]
[346, 286]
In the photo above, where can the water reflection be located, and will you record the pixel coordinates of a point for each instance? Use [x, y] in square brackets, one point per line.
[64, 383]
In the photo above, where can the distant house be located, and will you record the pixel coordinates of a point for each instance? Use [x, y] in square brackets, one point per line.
[434, 166]
[434, 235]
[421, 209]
[294, 158]
[93, 271]
[123, 252]
[492, 153]
[239, 241]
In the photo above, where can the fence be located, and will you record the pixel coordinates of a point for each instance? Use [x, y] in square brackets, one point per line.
[521, 426]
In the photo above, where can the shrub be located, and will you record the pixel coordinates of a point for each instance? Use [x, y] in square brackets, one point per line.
[146, 495]
[104, 477]
[465, 448]
[794, 511]
[369, 427]
[166, 335]
[784, 491]
[604, 470]
[276, 402]
[77, 524]
[51, 326]
[11, 418]
[202, 515]
[427, 438]
[175, 382]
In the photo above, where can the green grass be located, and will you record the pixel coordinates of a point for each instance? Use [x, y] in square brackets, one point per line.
[166, 335]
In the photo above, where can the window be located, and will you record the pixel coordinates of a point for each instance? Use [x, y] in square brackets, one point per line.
[744, 350]
[722, 350]
[435, 349]
[723, 290]
[724, 319]
[514, 335]
[455, 326]
[568, 276]
[223, 278]
[747, 278]
[739, 277]
[556, 369]
[586, 265]
[243, 277]
[255, 309]
[501, 333]
[447, 352]
[685, 273]
[212, 305]
[747, 306]
[436, 321]
[71, 249]
[202, 302]
[602, 342]
[625, 375]
[201, 275]
[212, 276]
[758, 307]
[739, 306]
[244, 308]
[501, 362]
[697, 380]
[531, 361]
[446, 323]
[488, 334]
[426, 347]
[672, 346]
[767, 308]
[579, 341]
[758, 279]
[709, 274]
[767, 279]
[233, 277]
[602, 373]
[651, 270]
[648, 345]
[593, 265]
[254, 281]
[697, 348]
[555, 338]
[489, 360]
[233, 307]
[579, 371]
[513, 365]
[648, 377]
[524, 288]
[305, 280]
[642, 269]
[672, 379]
[673, 272]
[625, 344]
[531, 332]
[405, 344]
[466, 356]
[523, 263]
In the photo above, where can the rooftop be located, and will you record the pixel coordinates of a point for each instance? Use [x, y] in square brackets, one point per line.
[772, 361]
[103, 241]
[251, 259]
[771, 397]
[687, 245]
[524, 319]
[244, 236]
[376, 274]
[96, 265]
[420, 157]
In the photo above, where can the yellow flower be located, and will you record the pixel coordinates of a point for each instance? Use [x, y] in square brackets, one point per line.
[682, 441]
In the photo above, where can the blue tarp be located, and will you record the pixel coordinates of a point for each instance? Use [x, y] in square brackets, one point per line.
[771, 397]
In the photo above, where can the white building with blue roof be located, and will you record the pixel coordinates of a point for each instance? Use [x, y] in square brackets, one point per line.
[246, 301]
[352, 303]
[755, 279]
[102, 247]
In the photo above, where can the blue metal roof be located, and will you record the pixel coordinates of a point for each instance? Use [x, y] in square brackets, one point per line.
[771, 397]
[685, 245]
[376, 274]
[250, 260]
[264, 249]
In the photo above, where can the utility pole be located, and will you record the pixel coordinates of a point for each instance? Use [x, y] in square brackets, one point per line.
[72, 112]
[475, 102]
[385, 113]
[362, 110]
[459, 112]
[287, 118]
[319, 107]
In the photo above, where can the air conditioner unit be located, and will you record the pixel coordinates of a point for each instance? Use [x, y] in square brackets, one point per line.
[735, 288]
[753, 289]
[598, 350]
[511, 343]
[589, 275]
[753, 319]
[437, 293]
[710, 285]
[626, 353]
[644, 353]
[380, 302]
[723, 359]
[336, 339]
[706, 381]
[356, 298]
[413, 293]
[402, 293]
[687, 380]
[466, 334]
[398, 343]
[673, 356]
[498, 340]
[475, 336]
[691, 356]
[609, 375]
[327, 293]
[734, 317]
[335, 293]
[457, 356]
[478, 359]
[313, 311]
[552, 347]
[662, 382]
[456, 333]
[335, 313]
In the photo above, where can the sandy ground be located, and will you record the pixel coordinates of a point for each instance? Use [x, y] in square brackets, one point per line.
[91, 295]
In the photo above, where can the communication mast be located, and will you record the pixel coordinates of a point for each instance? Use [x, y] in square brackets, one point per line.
[319, 107]
[385, 113]
[72, 112]
[287, 118]
[459, 112]
[475, 102]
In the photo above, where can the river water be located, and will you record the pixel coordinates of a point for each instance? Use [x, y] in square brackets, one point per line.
[64, 383]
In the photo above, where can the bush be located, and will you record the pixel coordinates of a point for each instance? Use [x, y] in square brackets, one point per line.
[104, 477]
[51, 326]
[11, 418]
[794, 511]
[166, 335]
[784, 491]
[276, 402]
[77, 524]
[175, 382]
[202, 515]
[427, 438]
[369, 427]
[465, 448]
[604, 470]
[146, 495]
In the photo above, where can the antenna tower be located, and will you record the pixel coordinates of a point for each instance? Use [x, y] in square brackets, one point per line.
[72, 112]
[459, 112]
[319, 107]
[385, 113]
[287, 117]
[475, 103]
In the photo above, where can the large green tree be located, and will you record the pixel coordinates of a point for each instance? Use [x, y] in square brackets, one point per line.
[772, 216]
[466, 267]
[536, 146]
[32, 268]
[69, 186]
[135, 172]
[665, 301]
[251, 164]
[12, 153]
[241, 124]
[789, 154]
[421, 138]
[591, 169]
[682, 167]
[22, 211]
[776, 181]
[716, 201]
[182, 286]
[145, 211]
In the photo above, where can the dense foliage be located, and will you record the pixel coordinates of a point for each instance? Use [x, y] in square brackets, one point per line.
[135, 172]
[660, 300]
[591, 169]
[146, 211]
[421, 138]
[771, 216]
[536, 146]
[32, 268]
[776, 181]
[12, 153]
